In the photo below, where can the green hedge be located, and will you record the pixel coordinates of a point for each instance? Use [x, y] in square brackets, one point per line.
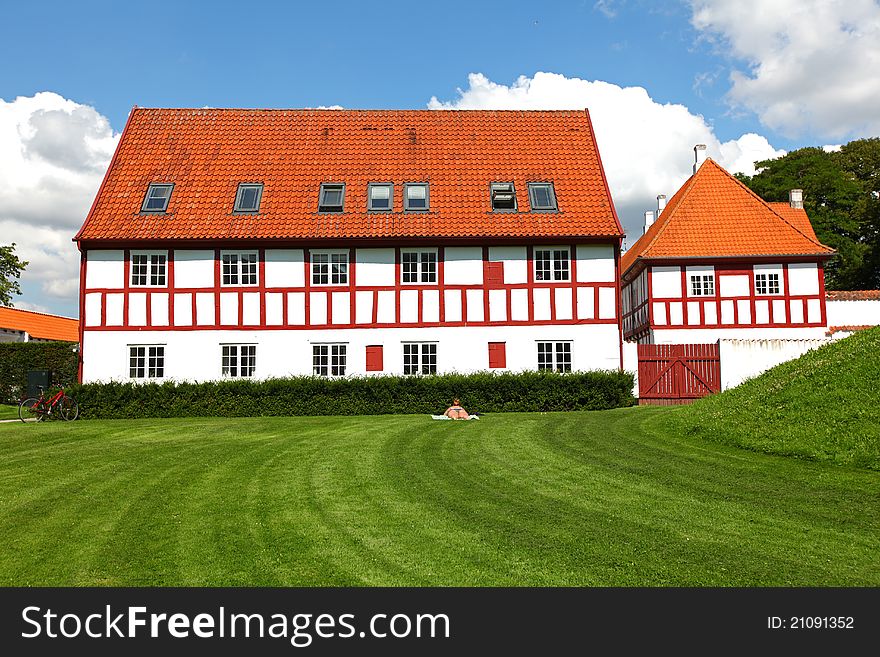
[481, 393]
[17, 358]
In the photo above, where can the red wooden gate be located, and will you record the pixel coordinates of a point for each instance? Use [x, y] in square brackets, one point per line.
[678, 373]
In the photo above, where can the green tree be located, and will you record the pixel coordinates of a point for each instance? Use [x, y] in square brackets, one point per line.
[11, 267]
[829, 196]
[861, 159]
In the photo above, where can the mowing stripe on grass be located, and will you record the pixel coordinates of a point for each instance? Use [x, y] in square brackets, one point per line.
[586, 498]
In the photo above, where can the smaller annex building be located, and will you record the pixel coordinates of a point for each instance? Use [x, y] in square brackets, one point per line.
[29, 326]
[720, 262]
[722, 286]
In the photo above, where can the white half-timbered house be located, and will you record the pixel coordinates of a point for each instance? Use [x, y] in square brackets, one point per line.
[269, 243]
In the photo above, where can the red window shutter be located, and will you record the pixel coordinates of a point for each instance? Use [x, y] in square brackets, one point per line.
[497, 355]
[494, 273]
[374, 358]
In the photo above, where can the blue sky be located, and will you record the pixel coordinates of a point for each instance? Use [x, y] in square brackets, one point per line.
[751, 78]
[113, 55]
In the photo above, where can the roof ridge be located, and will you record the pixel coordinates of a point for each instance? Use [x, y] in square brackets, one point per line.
[356, 109]
[37, 312]
[767, 204]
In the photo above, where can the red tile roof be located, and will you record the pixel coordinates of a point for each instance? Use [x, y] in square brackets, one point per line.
[40, 325]
[797, 217]
[714, 215]
[206, 153]
[852, 295]
[837, 329]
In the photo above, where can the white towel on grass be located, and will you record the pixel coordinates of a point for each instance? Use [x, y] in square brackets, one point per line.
[446, 417]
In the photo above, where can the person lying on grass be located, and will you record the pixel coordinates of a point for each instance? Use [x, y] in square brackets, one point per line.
[456, 412]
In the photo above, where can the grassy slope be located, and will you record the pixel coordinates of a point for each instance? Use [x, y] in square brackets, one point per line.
[586, 498]
[823, 406]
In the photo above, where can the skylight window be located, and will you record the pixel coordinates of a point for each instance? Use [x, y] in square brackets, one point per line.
[157, 198]
[503, 196]
[247, 198]
[380, 197]
[415, 197]
[542, 196]
[332, 197]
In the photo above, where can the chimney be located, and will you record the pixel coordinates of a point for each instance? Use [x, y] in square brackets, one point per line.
[661, 203]
[699, 155]
[796, 198]
[649, 219]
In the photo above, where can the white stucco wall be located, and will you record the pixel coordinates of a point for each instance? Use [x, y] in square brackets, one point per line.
[195, 355]
[631, 363]
[666, 282]
[105, 269]
[515, 262]
[595, 262]
[463, 265]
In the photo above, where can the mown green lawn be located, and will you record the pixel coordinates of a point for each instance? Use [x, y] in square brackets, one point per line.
[607, 498]
[8, 412]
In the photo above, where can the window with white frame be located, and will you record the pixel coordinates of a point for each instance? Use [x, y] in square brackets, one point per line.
[146, 361]
[767, 283]
[329, 359]
[238, 360]
[330, 268]
[552, 265]
[148, 269]
[419, 357]
[702, 285]
[238, 268]
[418, 266]
[554, 356]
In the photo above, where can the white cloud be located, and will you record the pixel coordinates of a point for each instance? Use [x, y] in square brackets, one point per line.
[832, 148]
[36, 307]
[53, 154]
[812, 65]
[606, 7]
[646, 146]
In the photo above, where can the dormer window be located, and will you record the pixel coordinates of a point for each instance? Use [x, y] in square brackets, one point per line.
[503, 197]
[380, 197]
[157, 198]
[415, 197]
[331, 197]
[542, 197]
[247, 198]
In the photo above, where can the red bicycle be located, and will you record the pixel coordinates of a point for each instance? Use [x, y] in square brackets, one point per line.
[39, 408]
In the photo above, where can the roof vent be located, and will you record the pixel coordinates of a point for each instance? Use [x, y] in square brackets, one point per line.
[661, 203]
[699, 155]
[796, 199]
[649, 220]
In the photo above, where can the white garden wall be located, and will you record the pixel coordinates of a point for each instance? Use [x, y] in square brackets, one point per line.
[857, 312]
[745, 359]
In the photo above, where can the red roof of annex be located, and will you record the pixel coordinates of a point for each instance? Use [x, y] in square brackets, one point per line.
[714, 215]
[40, 325]
[206, 153]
